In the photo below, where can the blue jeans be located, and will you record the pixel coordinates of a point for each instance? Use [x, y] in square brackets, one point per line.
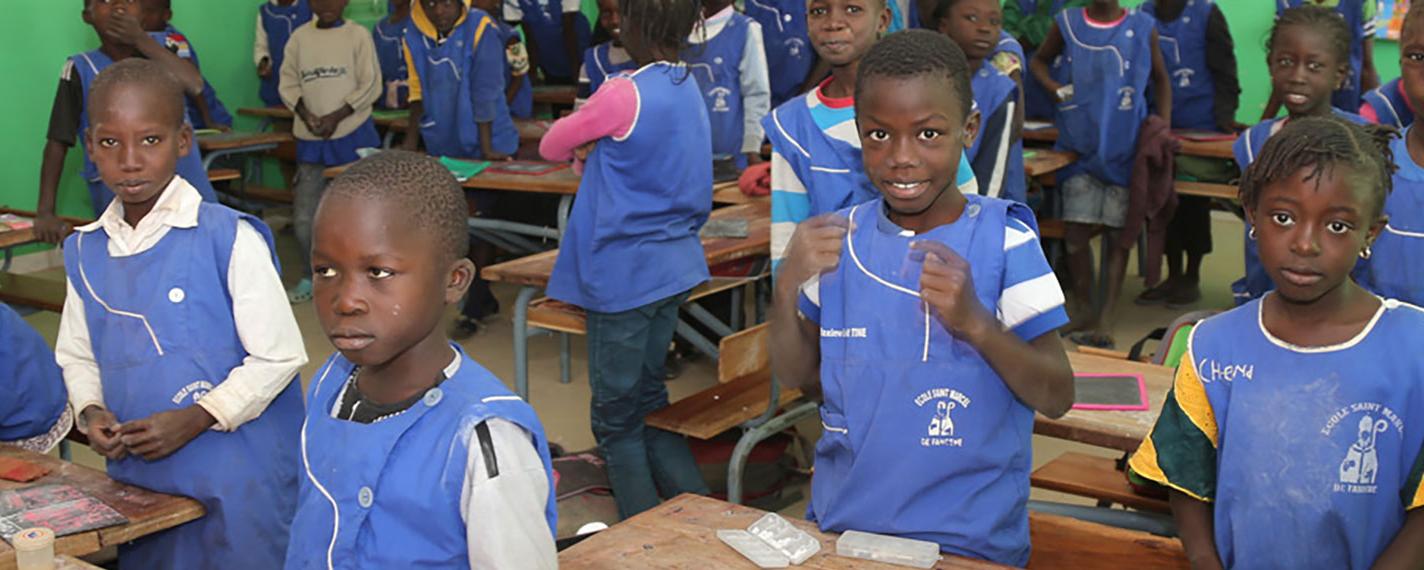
[626, 354]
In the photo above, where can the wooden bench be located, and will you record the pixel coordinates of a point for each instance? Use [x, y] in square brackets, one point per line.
[1064, 542]
[1093, 477]
[31, 291]
[1208, 190]
[223, 175]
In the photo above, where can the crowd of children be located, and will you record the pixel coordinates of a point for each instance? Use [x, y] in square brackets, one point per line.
[911, 295]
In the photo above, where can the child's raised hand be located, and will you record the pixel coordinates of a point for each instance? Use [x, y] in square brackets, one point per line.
[125, 28]
[159, 435]
[947, 284]
[815, 248]
[103, 438]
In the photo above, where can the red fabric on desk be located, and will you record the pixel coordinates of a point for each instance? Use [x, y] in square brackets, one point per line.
[1152, 195]
[756, 180]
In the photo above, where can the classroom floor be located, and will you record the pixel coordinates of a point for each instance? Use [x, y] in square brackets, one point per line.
[564, 408]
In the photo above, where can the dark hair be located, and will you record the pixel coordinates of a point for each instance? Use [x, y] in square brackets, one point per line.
[662, 23]
[1321, 144]
[1323, 21]
[415, 186]
[913, 53]
[1411, 19]
[164, 89]
[941, 10]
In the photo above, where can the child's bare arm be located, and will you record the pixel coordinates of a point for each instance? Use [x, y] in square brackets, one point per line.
[126, 28]
[1196, 529]
[571, 46]
[1369, 76]
[815, 248]
[1161, 82]
[1042, 60]
[1406, 551]
[48, 227]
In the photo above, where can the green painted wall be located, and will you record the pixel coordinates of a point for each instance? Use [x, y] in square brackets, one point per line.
[43, 34]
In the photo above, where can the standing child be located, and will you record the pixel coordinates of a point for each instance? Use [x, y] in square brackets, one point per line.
[207, 111]
[789, 57]
[518, 90]
[605, 59]
[389, 37]
[330, 80]
[1308, 55]
[277, 20]
[415, 455]
[1291, 438]
[726, 55]
[1113, 59]
[557, 32]
[1359, 19]
[926, 319]
[1201, 60]
[631, 252]
[119, 26]
[997, 152]
[35, 413]
[1029, 21]
[177, 346]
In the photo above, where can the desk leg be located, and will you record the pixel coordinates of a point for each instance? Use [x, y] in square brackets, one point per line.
[695, 338]
[521, 341]
[5, 264]
[755, 435]
[708, 319]
[565, 357]
[565, 203]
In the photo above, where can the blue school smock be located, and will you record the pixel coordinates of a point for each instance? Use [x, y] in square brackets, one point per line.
[1395, 269]
[163, 334]
[599, 66]
[190, 166]
[1183, 43]
[717, 66]
[279, 22]
[522, 106]
[176, 41]
[462, 83]
[1247, 147]
[1390, 105]
[1311, 455]
[1352, 11]
[632, 237]
[391, 55]
[921, 437]
[1110, 70]
[993, 89]
[1039, 103]
[35, 397]
[387, 494]
[788, 45]
[543, 20]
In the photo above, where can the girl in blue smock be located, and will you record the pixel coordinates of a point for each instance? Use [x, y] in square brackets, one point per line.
[1359, 18]
[1396, 268]
[544, 23]
[631, 252]
[1291, 437]
[1029, 22]
[996, 61]
[604, 59]
[35, 412]
[727, 57]
[788, 46]
[276, 20]
[388, 35]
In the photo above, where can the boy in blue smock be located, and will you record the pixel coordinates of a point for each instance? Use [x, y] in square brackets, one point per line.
[789, 57]
[121, 36]
[726, 55]
[176, 342]
[207, 111]
[389, 38]
[926, 320]
[997, 63]
[276, 21]
[557, 32]
[518, 90]
[1359, 18]
[414, 455]
[1291, 437]
[1112, 57]
[1390, 104]
[605, 59]
[35, 413]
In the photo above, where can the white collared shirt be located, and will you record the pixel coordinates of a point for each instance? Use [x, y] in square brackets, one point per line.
[755, 79]
[261, 312]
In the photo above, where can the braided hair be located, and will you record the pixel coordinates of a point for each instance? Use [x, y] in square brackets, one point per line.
[1323, 21]
[660, 23]
[913, 53]
[1322, 144]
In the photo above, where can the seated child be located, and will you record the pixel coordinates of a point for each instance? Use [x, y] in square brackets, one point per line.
[1359, 19]
[605, 59]
[1293, 418]
[937, 379]
[631, 253]
[726, 55]
[276, 21]
[179, 351]
[1029, 21]
[1205, 95]
[1306, 52]
[207, 111]
[518, 90]
[997, 152]
[121, 36]
[1113, 59]
[557, 32]
[35, 412]
[330, 80]
[415, 455]
[789, 57]
[389, 35]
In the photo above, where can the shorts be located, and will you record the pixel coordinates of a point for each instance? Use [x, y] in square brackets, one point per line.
[1087, 200]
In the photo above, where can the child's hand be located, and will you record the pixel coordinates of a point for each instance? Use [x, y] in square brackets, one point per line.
[103, 438]
[125, 29]
[163, 433]
[947, 284]
[264, 68]
[581, 152]
[815, 248]
[50, 229]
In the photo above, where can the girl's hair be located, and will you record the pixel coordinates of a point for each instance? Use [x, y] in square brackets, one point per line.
[1323, 21]
[1322, 144]
[660, 23]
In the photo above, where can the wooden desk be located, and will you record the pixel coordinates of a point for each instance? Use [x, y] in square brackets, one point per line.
[556, 94]
[1111, 429]
[562, 181]
[682, 533]
[281, 113]
[12, 238]
[1045, 135]
[530, 130]
[1044, 162]
[1208, 149]
[148, 512]
[241, 141]
[729, 193]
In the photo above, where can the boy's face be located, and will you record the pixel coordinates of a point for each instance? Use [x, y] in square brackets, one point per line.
[327, 12]
[842, 31]
[912, 131]
[379, 283]
[1304, 70]
[101, 13]
[975, 26]
[490, 7]
[156, 15]
[1411, 63]
[1310, 236]
[443, 13]
[609, 20]
[135, 143]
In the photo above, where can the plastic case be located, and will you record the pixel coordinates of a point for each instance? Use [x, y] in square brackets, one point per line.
[891, 549]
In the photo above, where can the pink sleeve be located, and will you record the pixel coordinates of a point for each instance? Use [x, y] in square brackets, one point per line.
[608, 113]
[1368, 112]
